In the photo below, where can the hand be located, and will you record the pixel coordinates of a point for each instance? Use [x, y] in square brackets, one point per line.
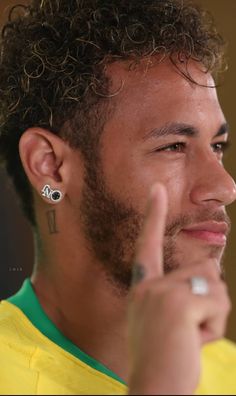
[168, 324]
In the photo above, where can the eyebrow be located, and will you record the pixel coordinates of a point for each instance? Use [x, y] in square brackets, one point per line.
[181, 129]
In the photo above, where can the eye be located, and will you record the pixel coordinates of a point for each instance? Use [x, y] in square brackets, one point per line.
[177, 147]
[220, 147]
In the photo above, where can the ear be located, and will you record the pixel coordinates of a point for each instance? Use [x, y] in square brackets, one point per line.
[45, 158]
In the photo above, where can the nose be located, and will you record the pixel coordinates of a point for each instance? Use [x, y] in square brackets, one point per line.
[213, 184]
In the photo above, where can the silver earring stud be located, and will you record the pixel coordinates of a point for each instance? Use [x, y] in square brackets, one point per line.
[54, 195]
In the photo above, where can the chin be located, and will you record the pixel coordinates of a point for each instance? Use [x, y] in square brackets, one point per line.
[196, 253]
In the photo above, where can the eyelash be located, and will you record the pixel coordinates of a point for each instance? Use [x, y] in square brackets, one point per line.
[180, 146]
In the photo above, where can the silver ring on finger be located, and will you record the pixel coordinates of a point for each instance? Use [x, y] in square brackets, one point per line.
[199, 286]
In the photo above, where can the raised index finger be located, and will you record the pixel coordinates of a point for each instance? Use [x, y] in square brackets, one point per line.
[149, 257]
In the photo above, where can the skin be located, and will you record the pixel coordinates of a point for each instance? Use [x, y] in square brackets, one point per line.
[70, 282]
[163, 310]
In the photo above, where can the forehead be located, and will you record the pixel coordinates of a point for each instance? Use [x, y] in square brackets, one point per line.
[147, 96]
[153, 76]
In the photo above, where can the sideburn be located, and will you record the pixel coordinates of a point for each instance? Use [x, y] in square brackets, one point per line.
[111, 228]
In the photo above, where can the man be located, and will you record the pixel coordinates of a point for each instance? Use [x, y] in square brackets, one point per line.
[109, 107]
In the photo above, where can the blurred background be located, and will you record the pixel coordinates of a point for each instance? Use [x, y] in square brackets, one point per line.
[16, 243]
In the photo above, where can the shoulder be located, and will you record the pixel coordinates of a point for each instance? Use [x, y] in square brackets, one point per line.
[9, 315]
[218, 369]
[14, 329]
[222, 351]
[16, 377]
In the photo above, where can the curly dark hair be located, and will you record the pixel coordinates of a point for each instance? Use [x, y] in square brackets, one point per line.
[53, 57]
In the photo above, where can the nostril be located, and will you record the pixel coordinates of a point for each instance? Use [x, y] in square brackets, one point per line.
[214, 186]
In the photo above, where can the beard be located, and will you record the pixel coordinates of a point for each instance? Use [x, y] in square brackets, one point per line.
[112, 228]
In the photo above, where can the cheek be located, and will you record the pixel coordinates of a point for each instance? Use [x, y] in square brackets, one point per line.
[131, 175]
[174, 178]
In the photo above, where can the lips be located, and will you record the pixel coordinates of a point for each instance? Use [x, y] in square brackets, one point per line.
[211, 232]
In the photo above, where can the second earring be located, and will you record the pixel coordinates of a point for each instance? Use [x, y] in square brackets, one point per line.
[54, 195]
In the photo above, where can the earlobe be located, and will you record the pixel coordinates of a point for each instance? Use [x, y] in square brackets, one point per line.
[41, 154]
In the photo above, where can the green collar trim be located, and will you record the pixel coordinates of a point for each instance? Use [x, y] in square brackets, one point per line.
[27, 301]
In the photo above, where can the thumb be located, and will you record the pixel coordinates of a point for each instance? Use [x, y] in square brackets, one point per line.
[149, 254]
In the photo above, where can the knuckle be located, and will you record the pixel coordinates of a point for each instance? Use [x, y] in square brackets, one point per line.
[212, 271]
[221, 289]
[161, 294]
[224, 302]
[145, 290]
[208, 270]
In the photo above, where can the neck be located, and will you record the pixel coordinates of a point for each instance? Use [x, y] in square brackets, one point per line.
[77, 296]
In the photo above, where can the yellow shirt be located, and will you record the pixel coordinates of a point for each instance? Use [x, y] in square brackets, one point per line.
[35, 357]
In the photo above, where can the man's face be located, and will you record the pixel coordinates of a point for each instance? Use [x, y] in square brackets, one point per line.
[163, 129]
